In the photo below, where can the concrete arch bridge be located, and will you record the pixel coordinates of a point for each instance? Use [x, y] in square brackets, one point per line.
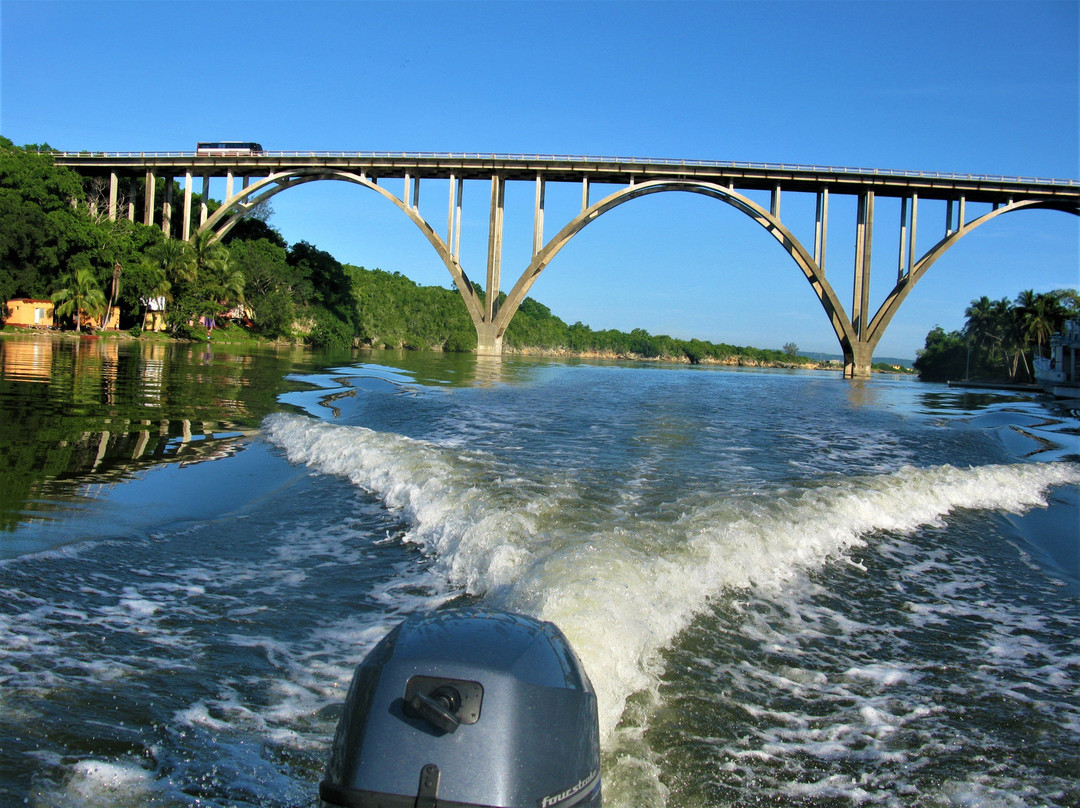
[254, 176]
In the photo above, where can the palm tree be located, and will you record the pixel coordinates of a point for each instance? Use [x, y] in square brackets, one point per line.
[1013, 343]
[979, 319]
[226, 285]
[1038, 317]
[218, 283]
[1047, 317]
[233, 287]
[207, 254]
[154, 284]
[172, 258]
[991, 329]
[980, 326]
[79, 293]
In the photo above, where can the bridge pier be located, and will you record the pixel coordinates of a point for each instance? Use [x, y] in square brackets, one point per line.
[489, 341]
[858, 357]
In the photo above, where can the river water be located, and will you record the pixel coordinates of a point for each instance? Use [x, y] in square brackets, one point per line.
[787, 589]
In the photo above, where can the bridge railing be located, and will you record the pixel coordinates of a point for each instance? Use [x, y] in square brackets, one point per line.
[562, 158]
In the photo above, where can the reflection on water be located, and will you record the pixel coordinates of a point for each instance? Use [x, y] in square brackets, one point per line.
[88, 410]
[27, 360]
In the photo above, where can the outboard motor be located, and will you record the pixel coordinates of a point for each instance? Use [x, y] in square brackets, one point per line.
[467, 708]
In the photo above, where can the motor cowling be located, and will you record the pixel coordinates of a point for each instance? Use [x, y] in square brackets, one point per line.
[467, 708]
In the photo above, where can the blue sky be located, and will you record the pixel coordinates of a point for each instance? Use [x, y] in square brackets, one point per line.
[972, 87]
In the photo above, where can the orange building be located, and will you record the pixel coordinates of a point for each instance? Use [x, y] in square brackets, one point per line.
[28, 311]
[111, 324]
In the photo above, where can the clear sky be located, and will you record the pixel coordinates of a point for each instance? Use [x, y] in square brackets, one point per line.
[974, 87]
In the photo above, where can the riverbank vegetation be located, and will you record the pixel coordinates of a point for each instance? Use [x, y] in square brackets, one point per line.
[1000, 338]
[57, 243]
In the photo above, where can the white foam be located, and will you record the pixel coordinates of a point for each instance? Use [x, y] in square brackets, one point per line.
[977, 794]
[882, 674]
[105, 784]
[623, 593]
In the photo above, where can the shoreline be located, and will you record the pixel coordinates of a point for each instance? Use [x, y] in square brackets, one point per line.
[555, 353]
[615, 356]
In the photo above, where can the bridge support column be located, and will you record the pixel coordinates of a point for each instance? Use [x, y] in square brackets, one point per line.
[821, 228]
[166, 208]
[538, 215]
[495, 236]
[860, 304]
[185, 226]
[114, 181]
[148, 197]
[203, 207]
[858, 357]
[488, 341]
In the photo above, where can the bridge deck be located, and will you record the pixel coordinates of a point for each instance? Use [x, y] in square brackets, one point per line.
[612, 170]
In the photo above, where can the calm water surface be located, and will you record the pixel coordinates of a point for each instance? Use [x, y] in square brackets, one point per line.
[787, 589]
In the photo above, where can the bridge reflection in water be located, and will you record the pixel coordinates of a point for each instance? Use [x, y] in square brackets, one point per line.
[970, 201]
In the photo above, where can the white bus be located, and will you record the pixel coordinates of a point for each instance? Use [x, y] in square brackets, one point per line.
[228, 148]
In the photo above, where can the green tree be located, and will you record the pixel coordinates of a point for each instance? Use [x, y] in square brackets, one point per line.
[533, 325]
[253, 229]
[321, 284]
[999, 337]
[201, 282]
[1070, 302]
[275, 314]
[175, 261]
[1040, 316]
[210, 284]
[267, 285]
[991, 333]
[39, 224]
[79, 294]
[207, 256]
[982, 326]
[144, 282]
[48, 226]
[223, 282]
[944, 356]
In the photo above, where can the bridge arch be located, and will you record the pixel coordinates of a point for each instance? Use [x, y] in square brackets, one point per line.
[826, 296]
[857, 342]
[905, 285]
[235, 208]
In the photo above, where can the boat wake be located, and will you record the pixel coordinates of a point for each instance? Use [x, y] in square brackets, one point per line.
[622, 585]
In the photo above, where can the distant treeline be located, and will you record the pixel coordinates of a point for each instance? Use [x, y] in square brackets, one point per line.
[395, 312]
[57, 242]
[1000, 338]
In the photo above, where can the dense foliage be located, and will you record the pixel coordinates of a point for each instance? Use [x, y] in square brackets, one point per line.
[56, 241]
[539, 328]
[999, 339]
